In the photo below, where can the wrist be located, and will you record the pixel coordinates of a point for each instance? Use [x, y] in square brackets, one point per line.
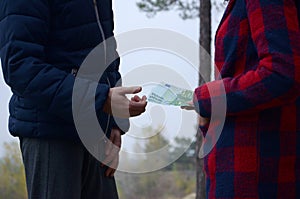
[107, 104]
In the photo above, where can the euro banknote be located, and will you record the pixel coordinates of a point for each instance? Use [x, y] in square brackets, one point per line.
[167, 94]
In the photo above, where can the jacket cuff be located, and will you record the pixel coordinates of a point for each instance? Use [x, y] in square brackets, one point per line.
[201, 102]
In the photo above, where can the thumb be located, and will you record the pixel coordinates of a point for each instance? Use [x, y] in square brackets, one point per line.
[131, 90]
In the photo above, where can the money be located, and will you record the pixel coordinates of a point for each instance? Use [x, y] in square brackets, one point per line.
[167, 94]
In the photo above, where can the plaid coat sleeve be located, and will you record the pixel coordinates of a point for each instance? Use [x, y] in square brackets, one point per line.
[274, 29]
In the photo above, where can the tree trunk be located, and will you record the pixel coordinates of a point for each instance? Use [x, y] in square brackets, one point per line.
[204, 76]
[205, 41]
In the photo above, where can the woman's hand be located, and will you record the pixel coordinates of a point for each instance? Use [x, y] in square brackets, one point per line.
[203, 121]
[189, 107]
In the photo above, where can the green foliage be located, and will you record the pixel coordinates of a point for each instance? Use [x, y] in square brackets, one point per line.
[173, 182]
[12, 176]
[185, 181]
[187, 160]
[156, 185]
[155, 142]
[188, 9]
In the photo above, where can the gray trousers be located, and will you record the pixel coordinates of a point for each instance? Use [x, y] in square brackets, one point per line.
[63, 170]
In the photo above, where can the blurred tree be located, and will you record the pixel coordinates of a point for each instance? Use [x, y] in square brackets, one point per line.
[188, 8]
[156, 141]
[12, 176]
[186, 147]
[174, 181]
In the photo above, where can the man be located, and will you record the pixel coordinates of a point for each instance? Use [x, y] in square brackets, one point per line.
[42, 44]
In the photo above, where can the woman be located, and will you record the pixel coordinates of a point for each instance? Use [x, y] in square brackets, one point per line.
[257, 51]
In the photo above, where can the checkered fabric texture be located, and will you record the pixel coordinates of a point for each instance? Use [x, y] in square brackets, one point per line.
[257, 51]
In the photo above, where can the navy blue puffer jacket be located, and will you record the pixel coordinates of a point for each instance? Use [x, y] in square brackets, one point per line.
[41, 41]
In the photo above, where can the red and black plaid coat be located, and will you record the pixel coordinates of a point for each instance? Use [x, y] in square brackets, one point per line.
[257, 51]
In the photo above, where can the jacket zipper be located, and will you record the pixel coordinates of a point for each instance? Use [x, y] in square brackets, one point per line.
[100, 28]
[105, 53]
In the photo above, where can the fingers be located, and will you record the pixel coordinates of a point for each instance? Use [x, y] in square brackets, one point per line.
[136, 98]
[137, 90]
[124, 108]
[116, 137]
[131, 90]
[137, 105]
[203, 121]
[112, 152]
[188, 108]
[111, 169]
[112, 155]
[144, 98]
[109, 145]
[112, 147]
[191, 103]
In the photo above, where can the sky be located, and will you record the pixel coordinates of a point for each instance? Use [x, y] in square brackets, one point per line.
[127, 18]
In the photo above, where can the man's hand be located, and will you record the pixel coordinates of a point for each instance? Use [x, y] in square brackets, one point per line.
[112, 149]
[118, 105]
[138, 99]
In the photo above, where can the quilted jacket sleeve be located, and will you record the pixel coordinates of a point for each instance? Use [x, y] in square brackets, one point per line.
[276, 81]
[24, 27]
